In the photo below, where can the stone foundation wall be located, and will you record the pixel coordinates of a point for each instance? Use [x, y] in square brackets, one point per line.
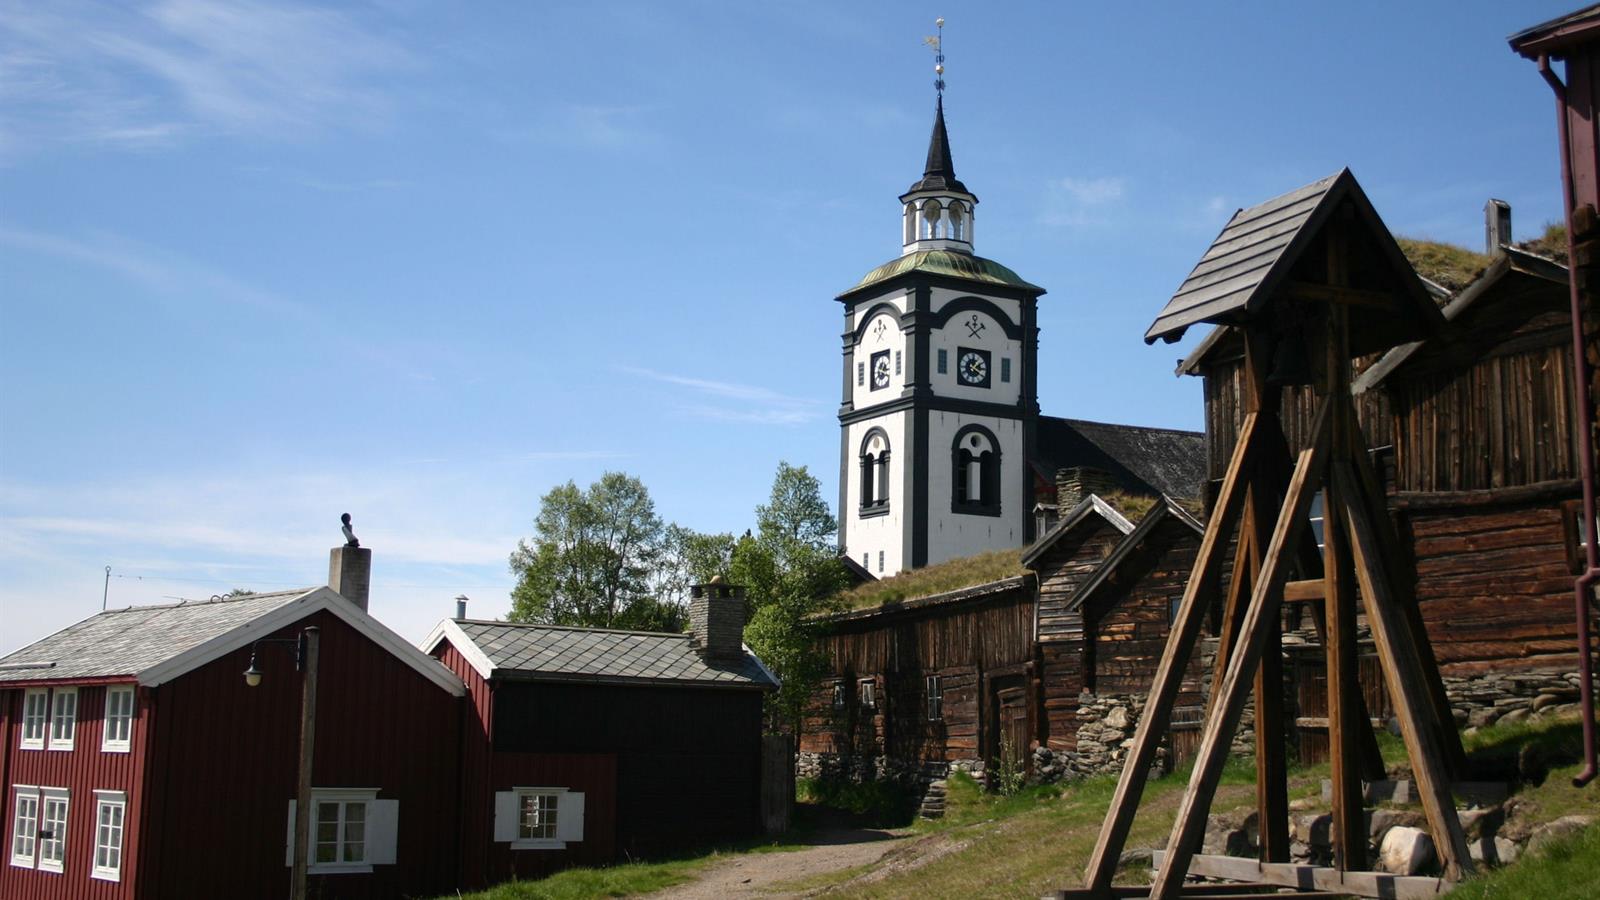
[1483, 700]
[838, 767]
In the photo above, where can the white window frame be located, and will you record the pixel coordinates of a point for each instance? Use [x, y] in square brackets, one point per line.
[47, 797]
[867, 693]
[21, 793]
[553, 825]
[380, 826]
[58, 717]
[118, 801]
[121, 724]
[29, 719]
[934, 688]
[569, 818]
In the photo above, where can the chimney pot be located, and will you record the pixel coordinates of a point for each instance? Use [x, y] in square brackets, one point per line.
[461, 606]
[716, 619]
[1496, 226]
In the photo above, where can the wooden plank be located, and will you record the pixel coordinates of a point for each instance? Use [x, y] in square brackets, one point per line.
[1563, 489]
[1319, 878]
[1345, 706]
[1309, 590]
[1308, 292]
[1264, 604]
[1397, 650]
[1170, 671]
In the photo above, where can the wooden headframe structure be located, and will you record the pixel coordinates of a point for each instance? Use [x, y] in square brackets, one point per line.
[1313, 279]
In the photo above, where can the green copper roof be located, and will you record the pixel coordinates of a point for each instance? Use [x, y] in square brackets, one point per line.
[946, 262]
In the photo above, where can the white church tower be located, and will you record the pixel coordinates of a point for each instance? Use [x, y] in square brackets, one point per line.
[940, 408]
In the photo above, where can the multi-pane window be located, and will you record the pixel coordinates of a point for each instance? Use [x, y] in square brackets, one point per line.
[25, 826]
[861, 374]
[935, 693]
[880, 562]
[35, 717]
[118, 719]
[944, 361]
[63, 718]
[1005, 368]
[340, 832]
[897, 362]
[53, 831]
[110, 807]
[536, 816]
[838, 695]
[867, 694]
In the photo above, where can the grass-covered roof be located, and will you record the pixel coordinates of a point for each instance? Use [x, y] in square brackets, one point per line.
[1447, 265]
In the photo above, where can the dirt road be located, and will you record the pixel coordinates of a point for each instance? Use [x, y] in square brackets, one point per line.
[774, 874]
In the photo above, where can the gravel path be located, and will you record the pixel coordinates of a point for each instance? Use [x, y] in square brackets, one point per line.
[756, 874]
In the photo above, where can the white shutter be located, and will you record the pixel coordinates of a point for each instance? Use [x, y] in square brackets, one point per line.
[505, 816]
[383, 825]
[569, 818]
[288, 845]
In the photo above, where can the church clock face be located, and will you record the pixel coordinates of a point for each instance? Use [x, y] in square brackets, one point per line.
[880, 369]
[972, 367]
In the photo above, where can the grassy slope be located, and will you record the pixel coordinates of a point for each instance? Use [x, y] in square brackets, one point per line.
[925, 582]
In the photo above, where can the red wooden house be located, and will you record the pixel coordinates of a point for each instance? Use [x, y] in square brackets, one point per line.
[137, 762]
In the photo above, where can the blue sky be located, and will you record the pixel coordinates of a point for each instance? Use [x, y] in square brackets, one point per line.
[261, 264]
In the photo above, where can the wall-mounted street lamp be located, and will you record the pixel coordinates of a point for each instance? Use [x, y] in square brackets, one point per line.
[305, 662]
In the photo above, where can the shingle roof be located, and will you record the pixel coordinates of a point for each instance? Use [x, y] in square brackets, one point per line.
[1143, 460]
[128, 641]
[1259, 248]
[550, 652]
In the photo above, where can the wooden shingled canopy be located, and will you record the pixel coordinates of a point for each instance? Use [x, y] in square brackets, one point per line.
[1273, 251]
[1311, 280]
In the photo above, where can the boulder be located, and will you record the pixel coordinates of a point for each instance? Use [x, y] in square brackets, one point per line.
[1515, 716]
[1380, 821]
[1478, 823]
[1117, 718]
[1225, 836]
[1312, 828]
[1544, 834]
[1405, 851]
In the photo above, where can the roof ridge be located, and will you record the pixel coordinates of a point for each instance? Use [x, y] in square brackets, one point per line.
[1123, 425]
[209, 601]
[640, 632]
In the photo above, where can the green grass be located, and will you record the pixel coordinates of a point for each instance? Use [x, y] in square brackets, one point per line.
[871, 804]
[612, 881]
[1551, 245]
[1446, 265]
[968, 571]
[1567, 869]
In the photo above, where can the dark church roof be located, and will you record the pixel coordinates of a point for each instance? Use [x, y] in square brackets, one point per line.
[940, 172]
[1143, 460]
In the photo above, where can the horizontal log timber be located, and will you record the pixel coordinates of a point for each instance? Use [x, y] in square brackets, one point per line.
[1526, 493]
[1308, 591]
[1309, 292]
[1209, 891]
[1320, 878]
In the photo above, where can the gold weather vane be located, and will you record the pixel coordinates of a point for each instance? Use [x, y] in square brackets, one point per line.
[937, 43]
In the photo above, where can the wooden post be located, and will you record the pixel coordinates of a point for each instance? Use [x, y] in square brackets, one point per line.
[1397, 652]
[1264, 603]
[308, 742]
[1345, 703]
[1169, 671]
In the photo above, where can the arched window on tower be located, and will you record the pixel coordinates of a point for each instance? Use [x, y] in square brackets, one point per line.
[911, 223]
[956, 213]
[975, 475]
[875, 473]
[931, 213]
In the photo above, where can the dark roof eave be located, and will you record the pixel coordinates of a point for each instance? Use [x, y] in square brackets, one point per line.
[520, 675]
[1119, 554]
[1558, 34]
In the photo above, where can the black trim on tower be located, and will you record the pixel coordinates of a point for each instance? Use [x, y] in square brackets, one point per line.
[923, 398]
[960, 305]
[921, 389]
[845, 405]
[872, 311]
[1030, 418]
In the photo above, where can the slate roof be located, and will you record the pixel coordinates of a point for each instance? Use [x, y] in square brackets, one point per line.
[554, 653]
[1143, 460]
[1130, 542]
[128, 641]
[940, 172]
[1253, 257]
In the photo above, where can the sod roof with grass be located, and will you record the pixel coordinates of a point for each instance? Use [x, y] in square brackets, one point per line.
[964, 573]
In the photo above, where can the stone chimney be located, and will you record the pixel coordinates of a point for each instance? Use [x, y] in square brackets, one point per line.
[716, 620]
[1496, 226]
[1077, 482]
[350, 568]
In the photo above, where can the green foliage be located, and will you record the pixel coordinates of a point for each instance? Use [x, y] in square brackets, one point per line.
[968, 571]
[689, 558]
[788, 569]
[872, 804]
[1011, 773]
[593, 558]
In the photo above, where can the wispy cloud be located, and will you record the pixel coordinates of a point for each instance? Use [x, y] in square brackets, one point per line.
[168, 276]
[589, 126]
[148, 75]
[757, 405]
[1080, 202]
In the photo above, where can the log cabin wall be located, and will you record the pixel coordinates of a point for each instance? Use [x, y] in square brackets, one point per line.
[964, 639]
[1063, 655]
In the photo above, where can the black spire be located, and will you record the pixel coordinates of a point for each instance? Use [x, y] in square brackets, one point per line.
[940, 172]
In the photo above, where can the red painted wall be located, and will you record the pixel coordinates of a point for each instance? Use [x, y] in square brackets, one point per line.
[81, 770]
[218, 802]
[593, 773]
[477, 800]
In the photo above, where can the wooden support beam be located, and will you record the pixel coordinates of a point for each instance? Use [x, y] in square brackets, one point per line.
[1307, 591]
[1169, 671]
[1265, 601]
[1322, 294]
[1319, 878]
[1398, 653]
[1345, 703]
[1455, 755]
